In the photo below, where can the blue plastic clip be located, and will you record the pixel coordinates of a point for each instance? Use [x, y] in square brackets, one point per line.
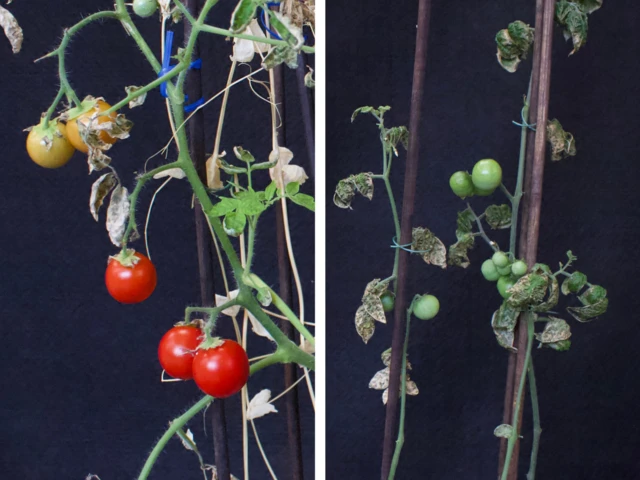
[167, 67]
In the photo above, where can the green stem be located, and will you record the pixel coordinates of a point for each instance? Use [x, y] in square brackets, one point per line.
[517, 196]
[396, 223]
[403, 402]
[518, 404]
[250, 243]
[52, 108]
[481, 231]
[270, 41]
[133, 198]
[182, 420]
[256, 282]
[537, 430]
[131, 29]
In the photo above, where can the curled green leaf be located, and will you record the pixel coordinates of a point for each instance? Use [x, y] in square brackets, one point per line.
[395, 135]
[563, 144]
[573, 17]
[528, 291]
[514, 43]
[234, 223]
[555, 330]
[459, 251]
[574, 283]
[347, 188]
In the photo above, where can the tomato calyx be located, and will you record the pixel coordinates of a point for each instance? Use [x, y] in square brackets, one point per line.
[88, 104]
[195, 323]
[127, 257]
[47, 132]
[209, 343]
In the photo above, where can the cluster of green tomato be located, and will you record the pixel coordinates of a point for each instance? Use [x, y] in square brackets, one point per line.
[425, 307]
[485, 177]
[500, 268]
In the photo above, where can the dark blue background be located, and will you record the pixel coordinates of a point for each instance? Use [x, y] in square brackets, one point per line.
[80, 380]
[588, 395]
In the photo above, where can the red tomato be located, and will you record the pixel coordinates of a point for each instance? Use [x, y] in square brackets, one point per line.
[131, 284]
[177, 349]
[221, 371]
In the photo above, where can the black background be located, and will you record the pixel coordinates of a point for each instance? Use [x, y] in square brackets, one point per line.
[588, 395]
[80, 380]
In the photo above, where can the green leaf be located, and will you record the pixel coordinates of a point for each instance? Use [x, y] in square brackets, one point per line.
[503, 322]
[264, 165]
[292, 188]
[562, 143]
[430, 247]
[573, 17]
[552, 299]
[503, 431]
[306, 201]
[555, 330]
[528, 290]
[458, 252]
[498, 216]
[249, 203]
[242, 15]
[561, 346]
[244, 155]
[224, 206]
[514, 43]
[593, 295]
[360, 110]
[574, 283]
[590, 6]
[231, 169]
[270, 191]
[279, 55]
[234, 223]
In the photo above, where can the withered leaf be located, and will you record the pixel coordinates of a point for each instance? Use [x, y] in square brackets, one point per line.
[99, 191]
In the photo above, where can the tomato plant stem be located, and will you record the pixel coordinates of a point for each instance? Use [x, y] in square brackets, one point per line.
[537, 430]
[403, 402]
[396, 223]
[406, 227]
[267, 40]
[511, 443]
[481, 231]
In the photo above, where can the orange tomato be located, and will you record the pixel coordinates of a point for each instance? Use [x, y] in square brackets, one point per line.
[72, 126]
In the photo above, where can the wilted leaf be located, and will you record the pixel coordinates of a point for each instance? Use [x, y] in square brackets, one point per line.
[243, 155]
[562, 143]
[593, 295]
[555, 330]
[139, 100]
[504, 322]
[552, 298]
[574, 283]
[365, 324]
[99, 191]
[527, 291]
[498, 216]
[346, 189]
[590, 6]
[561, 346]
[97, 160]
[395, 135]
[283, 172]
[573, 17]
[503, 431]
[459, 251]
[281, 54]
[187, 441]
[171, 172]
[259, 405]
[429, 246]
[412, 388]
[258, 328]
[595, 303]
[118, 214]
[11, 29]
[290, 33]
[380, 380]
[371, 299]
[386, 357]
[221, 300]
[464, 222]
[514, 44]
[309, 81]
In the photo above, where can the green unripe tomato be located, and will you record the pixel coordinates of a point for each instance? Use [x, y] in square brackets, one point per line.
[461, 184]
[388, 300]
[426, 307]
[145, 8]
[504, 284]
[483, 193]
[504, 270]
[519, 268]
[489, 270]
[500, 259]
[487, 174]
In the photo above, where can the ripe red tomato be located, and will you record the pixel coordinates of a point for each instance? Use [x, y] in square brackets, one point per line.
[132, 282]
[221, 371]
[177, 349]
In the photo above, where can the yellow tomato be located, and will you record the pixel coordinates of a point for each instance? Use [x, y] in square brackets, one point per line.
[49, 147]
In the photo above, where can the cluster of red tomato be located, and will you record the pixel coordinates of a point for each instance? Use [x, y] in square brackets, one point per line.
[220, 371]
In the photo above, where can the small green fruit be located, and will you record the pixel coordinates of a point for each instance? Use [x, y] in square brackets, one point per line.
[145, 8]
[500, 259]
[504, 284]
[519, 268]
[489, 270]
[461, 184]
[426, 307]
[388, 300]
[487, 174]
